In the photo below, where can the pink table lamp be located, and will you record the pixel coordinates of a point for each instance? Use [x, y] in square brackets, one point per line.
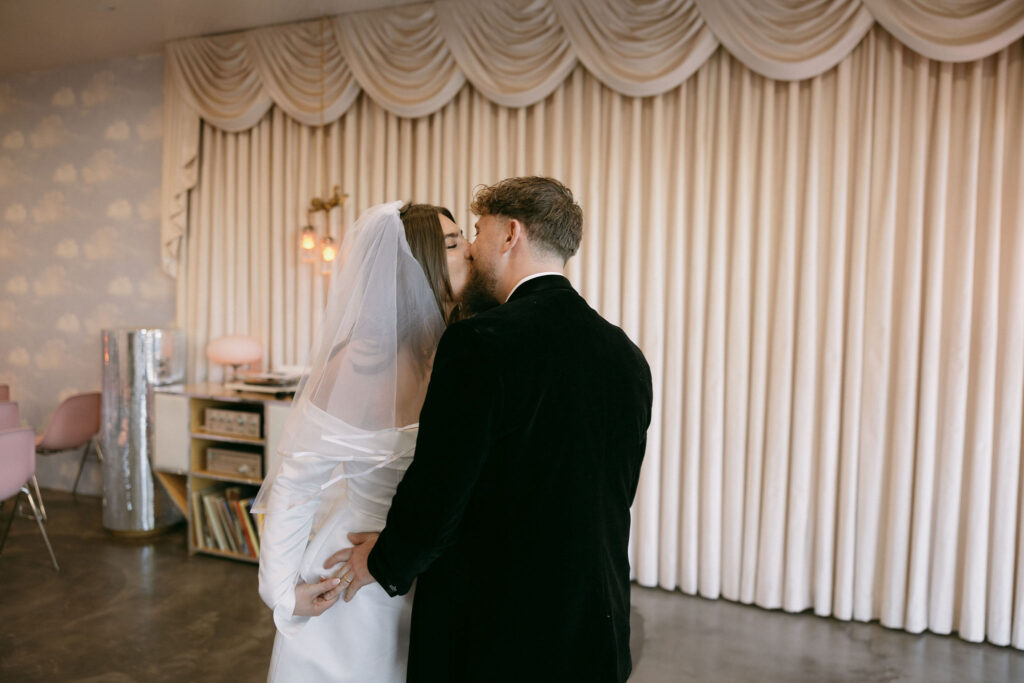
[234, 351]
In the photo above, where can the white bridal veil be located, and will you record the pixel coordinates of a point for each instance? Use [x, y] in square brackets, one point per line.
[370, 367]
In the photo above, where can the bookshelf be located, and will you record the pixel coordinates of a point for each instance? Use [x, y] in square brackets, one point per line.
[212, 474]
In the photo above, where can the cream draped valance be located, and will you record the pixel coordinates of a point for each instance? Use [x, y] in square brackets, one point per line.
[412, 60]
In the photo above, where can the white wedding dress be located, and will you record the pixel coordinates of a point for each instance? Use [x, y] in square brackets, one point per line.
[343, 452]
[367, 639]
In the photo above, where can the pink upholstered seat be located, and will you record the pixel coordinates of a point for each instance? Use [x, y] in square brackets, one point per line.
[74, 423]
[17, 460]
[8, 414]
[17, 467]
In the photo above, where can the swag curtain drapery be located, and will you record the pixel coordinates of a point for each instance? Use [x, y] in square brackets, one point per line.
[413, 59]
[826, 276]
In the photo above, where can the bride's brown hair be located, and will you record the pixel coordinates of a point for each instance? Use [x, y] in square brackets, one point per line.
[425, 236]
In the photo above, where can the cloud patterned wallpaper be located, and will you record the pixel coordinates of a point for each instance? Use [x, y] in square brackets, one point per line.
[79, 232]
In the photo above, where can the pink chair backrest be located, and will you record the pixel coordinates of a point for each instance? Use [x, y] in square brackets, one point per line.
[8, 414]
[5, 392]
[17, 459]
[76, 421]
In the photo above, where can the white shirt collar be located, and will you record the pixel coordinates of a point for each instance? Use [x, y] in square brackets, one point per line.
[530, 277]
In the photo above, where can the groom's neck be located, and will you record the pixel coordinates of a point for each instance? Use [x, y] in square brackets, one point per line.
[517, 271]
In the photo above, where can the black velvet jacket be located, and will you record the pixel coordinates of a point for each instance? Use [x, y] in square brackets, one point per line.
[515, 511]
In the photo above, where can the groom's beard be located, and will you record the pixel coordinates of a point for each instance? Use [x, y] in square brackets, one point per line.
[477, 296]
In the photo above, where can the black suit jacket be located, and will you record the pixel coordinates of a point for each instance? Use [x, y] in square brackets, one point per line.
[515, 511]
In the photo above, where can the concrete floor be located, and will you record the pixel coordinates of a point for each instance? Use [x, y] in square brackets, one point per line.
[146, 611]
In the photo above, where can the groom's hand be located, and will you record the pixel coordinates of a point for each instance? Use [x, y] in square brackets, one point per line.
[353, 573]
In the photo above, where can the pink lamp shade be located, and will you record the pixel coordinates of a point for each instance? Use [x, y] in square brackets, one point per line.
[234, 350]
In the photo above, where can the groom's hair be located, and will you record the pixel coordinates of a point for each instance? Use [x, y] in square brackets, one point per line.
[546, 208]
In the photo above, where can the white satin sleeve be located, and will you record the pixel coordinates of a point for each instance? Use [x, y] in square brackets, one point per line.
[286, 537]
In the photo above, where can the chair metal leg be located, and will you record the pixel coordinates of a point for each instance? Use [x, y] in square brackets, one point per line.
[94, 447]
[10, 520]
[42, 529]
[81, 466]
[35, 484]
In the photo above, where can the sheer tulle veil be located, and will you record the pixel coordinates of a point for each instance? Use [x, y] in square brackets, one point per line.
[370, 364]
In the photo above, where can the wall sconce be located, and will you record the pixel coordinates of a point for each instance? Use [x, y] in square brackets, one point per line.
[328, 252]
[308, 236]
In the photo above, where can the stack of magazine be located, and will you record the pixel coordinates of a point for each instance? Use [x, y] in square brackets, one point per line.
[266, 383]
[222, 520]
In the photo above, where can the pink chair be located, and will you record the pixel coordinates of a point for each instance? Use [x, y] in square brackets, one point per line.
[8, 414]
[5, 392]
[17, 467]
[74, 424]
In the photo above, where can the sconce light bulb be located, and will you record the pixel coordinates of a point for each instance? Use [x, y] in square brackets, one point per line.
[328, 250]
[308, 241]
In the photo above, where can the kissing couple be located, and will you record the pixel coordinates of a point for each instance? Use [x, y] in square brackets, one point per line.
[451, 501]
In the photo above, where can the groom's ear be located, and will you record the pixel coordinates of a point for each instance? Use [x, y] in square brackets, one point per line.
[512, 235]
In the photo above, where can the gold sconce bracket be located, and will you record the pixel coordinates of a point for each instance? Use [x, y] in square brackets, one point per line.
[336, 199]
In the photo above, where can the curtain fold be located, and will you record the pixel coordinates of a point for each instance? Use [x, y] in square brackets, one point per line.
[826, 276]
[785, 40]
[179, 172]
[637, 48]
[400, 58]
[304, 71]
[218, 79]
[951, 31]
[510, 68]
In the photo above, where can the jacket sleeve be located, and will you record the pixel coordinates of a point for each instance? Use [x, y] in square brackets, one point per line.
[285, 538]
[452, 446]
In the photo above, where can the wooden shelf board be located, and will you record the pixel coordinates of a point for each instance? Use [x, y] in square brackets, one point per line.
[226, 438]
[217, 392]
[226, 554]
[220, 476]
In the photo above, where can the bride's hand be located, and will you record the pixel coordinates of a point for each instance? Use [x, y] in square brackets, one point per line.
[312, 599]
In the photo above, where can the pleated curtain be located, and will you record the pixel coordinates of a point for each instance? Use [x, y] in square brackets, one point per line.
[825, 274]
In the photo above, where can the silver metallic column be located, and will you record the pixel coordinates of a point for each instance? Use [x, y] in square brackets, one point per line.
[134, 361]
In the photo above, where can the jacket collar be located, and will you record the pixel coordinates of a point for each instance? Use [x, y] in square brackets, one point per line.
[543, 283]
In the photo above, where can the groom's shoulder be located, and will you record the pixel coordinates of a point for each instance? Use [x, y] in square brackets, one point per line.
[495, 327]
[483, 325]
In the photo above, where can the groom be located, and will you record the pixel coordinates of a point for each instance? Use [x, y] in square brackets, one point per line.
[515, 511]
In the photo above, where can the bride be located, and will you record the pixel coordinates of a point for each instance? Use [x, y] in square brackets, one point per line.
[349, 439]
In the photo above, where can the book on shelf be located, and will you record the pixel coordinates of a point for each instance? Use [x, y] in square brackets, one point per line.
[213, 516]
[251, 522]
[200, 534]
[232, 495]
[241, 510]
[228, 526]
